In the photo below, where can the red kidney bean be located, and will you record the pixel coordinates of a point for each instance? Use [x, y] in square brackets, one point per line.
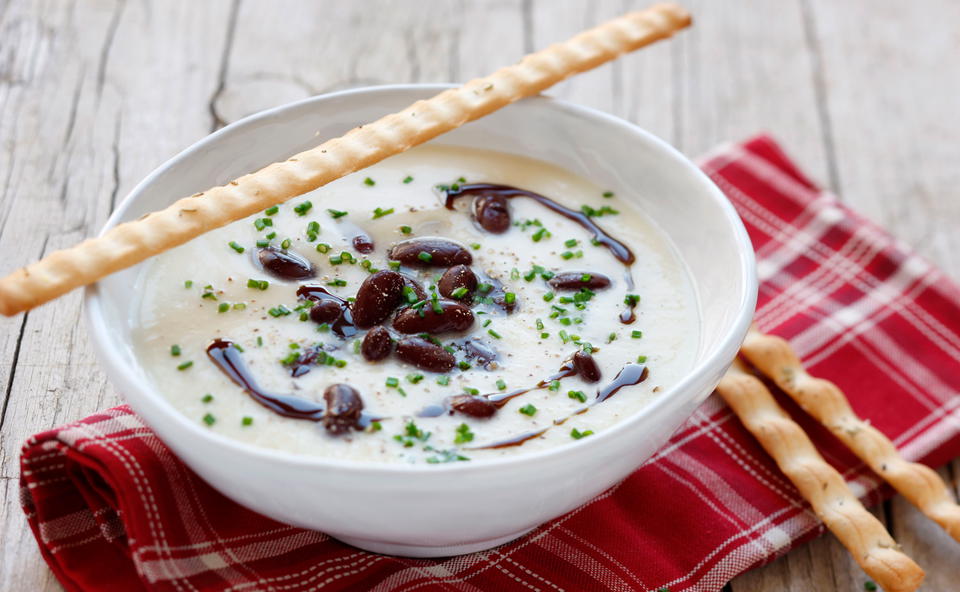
[455, 317]
[343, 410]
[458, 276]
[472, 405]
[586, 366]
[574, 280]
[363, 244]
[376, 344]
[492, 213]
[430, 252]
[377, 296]
[285, 265]
[425, 355]
[326, 311]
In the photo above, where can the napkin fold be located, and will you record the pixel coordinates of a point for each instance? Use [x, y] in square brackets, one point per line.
[113, 509]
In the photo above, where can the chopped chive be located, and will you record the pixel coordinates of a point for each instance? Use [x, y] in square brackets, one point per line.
[261, 223]
[261, 243]
[247, 420]
[611, 338]
[577, 434]
[174, 350]
[336, 213]
[407, 179]
[209, 419]
[313, 229]
[493, 334]
[285, 244]
[471, 391]
[544, 335]
[540, 234]
[570, 243]
[188, 284]
[443, 380]
[223, 307]
[270, 236]
[636, 334]
[484, 288]
[302, 208]
[425, 256]
[501, 384]
[586, 277]
[236, 246]
[369, 182]
[207, 398]
[528, 409]
[608, 194]
[394, 265]
[487, 322]
[185, 365]
[392, 382]
[475, 246]
[554, 385]
[414, 378]
[459, 292]
[239, 306]
[405, 229]
[259, 341]
[337, 282]
[578, 395]
[631, 299]
[279, 311]
[539, 325]
[641, 359]
[258, 284]
[869, 586]
[272, 210]
[463, 434]
[380, 212]
[548, 297]
[509, 297]
[514, 274]
[464, 365]
[323, 248]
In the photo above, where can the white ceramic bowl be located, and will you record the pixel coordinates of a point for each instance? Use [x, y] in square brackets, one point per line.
[437, 510]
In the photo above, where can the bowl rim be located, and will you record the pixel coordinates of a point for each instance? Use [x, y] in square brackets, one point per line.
[100, 336]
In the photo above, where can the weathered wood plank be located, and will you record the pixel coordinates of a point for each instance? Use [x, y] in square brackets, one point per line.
[746, 67]
[891, 94]
[638, 87]
[92, 97]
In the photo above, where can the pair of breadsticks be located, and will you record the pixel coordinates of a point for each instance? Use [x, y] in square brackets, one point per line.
[863, 535]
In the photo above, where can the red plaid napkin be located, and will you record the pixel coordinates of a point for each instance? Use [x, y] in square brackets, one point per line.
[113, 509]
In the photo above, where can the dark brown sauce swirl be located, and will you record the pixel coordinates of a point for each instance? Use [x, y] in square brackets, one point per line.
[225, 356]
[343, 326]
[616, 248]
[629, 375]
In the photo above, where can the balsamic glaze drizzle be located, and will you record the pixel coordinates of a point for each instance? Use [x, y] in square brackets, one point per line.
[225, 356]
[616, 248]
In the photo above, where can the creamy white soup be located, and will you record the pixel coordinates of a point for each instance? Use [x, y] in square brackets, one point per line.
[446, 305]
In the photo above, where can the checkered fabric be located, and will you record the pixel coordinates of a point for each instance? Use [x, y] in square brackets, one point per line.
[113, 509]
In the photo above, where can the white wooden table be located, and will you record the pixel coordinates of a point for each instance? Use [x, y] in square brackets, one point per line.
[96, 93]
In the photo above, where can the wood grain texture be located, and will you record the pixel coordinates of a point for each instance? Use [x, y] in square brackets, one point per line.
[95, 93]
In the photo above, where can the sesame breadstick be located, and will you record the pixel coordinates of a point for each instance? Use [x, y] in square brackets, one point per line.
[861, 533]
[189, 217]
[920, 484]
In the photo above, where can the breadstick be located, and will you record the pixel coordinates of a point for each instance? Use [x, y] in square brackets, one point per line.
[132, 242]
[819, 483]
[920, 484]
